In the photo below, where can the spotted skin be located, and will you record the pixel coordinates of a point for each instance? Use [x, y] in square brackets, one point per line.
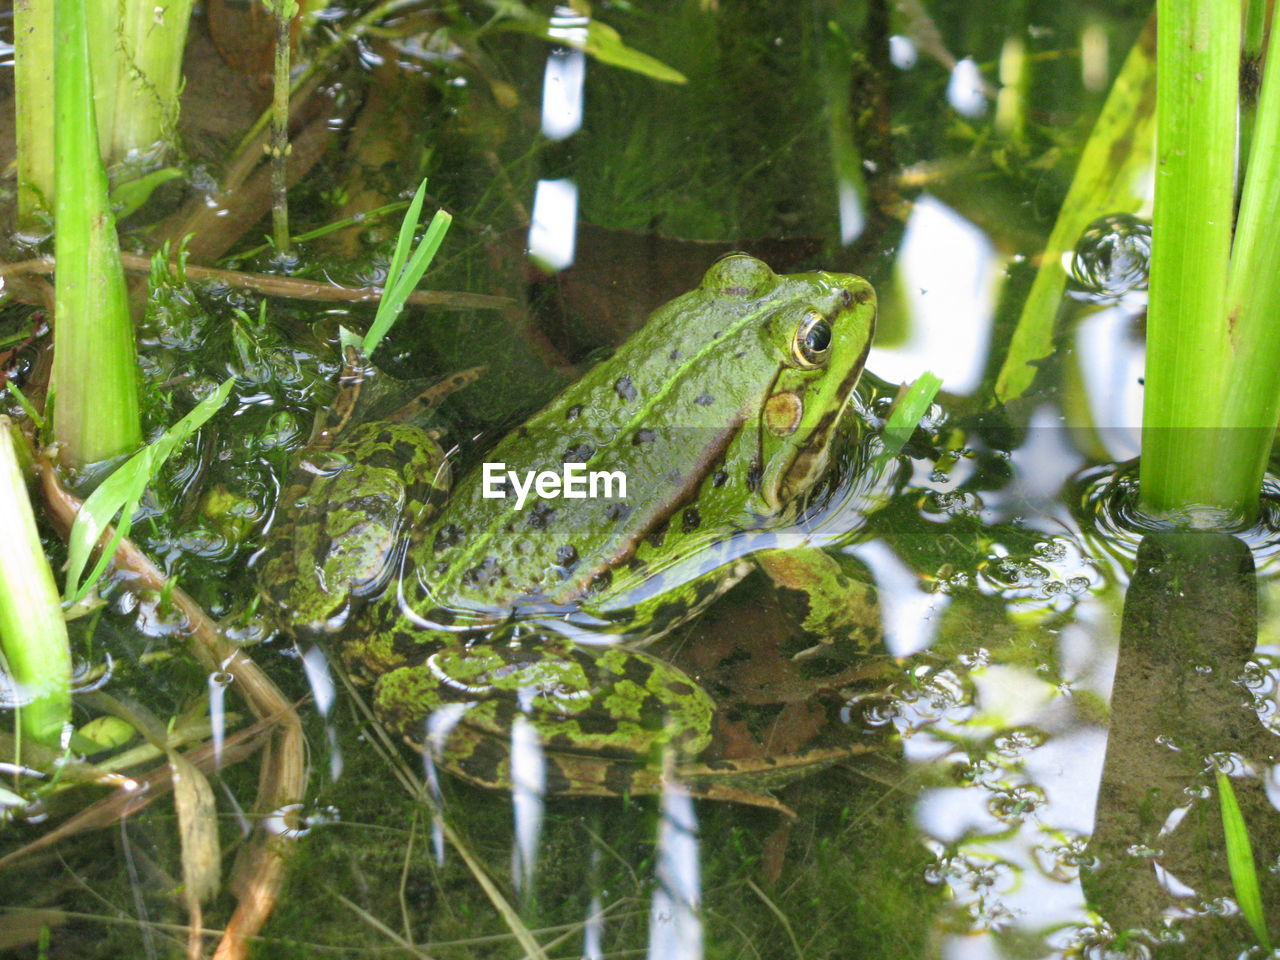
[719, 413]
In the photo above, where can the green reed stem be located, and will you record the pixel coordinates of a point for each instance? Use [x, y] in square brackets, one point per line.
[136, 48]
[1255, 19]
[1188, 345]
[33, 633]
[33, 90]
[284, 11]
[1251, 407]
[94, 369]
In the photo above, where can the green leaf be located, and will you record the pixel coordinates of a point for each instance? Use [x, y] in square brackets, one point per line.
[404, 241]
[402, 277]
[912, 404]
[598, 40]
[1244, 875]
[128, 197]
[33, 634]
[121, 493]
[27, 407]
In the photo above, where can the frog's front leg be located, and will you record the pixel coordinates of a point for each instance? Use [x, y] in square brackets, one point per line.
[343, 517]
[831, 599]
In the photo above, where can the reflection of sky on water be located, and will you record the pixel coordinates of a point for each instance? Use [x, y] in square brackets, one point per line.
[564, 76]
[675, 918]
[909, 615]
[1111, 359]
[562, 93]
[965, 90]
[946, 269]
[554, 223]
[1043, 790]
[528, 788]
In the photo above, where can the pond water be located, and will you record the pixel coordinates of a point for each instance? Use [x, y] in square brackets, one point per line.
[1021, 761]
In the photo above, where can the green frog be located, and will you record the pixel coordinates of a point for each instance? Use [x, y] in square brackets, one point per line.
[500, 607]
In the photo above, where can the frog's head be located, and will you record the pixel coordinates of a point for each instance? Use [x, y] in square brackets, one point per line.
[816, 332]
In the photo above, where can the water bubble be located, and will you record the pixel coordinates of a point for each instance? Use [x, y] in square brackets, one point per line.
[1231, 764]
[1112, 258]
[1017, 742]
[1055, 549]
[1015, 804]
[1143, 851]
[295, 820]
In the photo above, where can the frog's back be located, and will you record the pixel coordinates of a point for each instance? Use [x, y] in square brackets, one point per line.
[663, 412]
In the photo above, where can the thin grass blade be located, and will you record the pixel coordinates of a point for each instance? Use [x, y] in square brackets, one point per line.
[402, 284]
[1244, 873]
[121, 492]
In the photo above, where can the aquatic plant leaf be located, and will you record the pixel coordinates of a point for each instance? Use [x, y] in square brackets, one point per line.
[1244, 874]
[121, 492]
[128, 197]
[912, 404]
[1110, 178]
[600, 41]
[405, 270]
[197, 829]
[33, 634]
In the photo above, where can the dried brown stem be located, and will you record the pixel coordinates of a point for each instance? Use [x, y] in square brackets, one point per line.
[274, 286]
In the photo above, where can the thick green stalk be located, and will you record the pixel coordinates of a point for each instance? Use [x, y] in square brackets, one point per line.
[1255, 20]
[33, 633]
[1188, 347]
[136, 48]
[95, 413]
[33, 90]
[1252, 405]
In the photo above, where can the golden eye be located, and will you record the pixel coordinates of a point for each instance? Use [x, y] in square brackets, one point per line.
[812, 343]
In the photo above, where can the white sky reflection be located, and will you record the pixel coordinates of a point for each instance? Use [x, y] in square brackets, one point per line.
[675, 923]
[947, 271]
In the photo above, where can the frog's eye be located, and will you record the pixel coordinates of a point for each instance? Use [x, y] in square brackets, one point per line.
[812, 343]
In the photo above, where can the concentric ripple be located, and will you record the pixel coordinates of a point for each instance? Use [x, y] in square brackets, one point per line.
[1104, 501]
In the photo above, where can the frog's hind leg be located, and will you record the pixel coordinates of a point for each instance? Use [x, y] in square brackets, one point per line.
[603, 718]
